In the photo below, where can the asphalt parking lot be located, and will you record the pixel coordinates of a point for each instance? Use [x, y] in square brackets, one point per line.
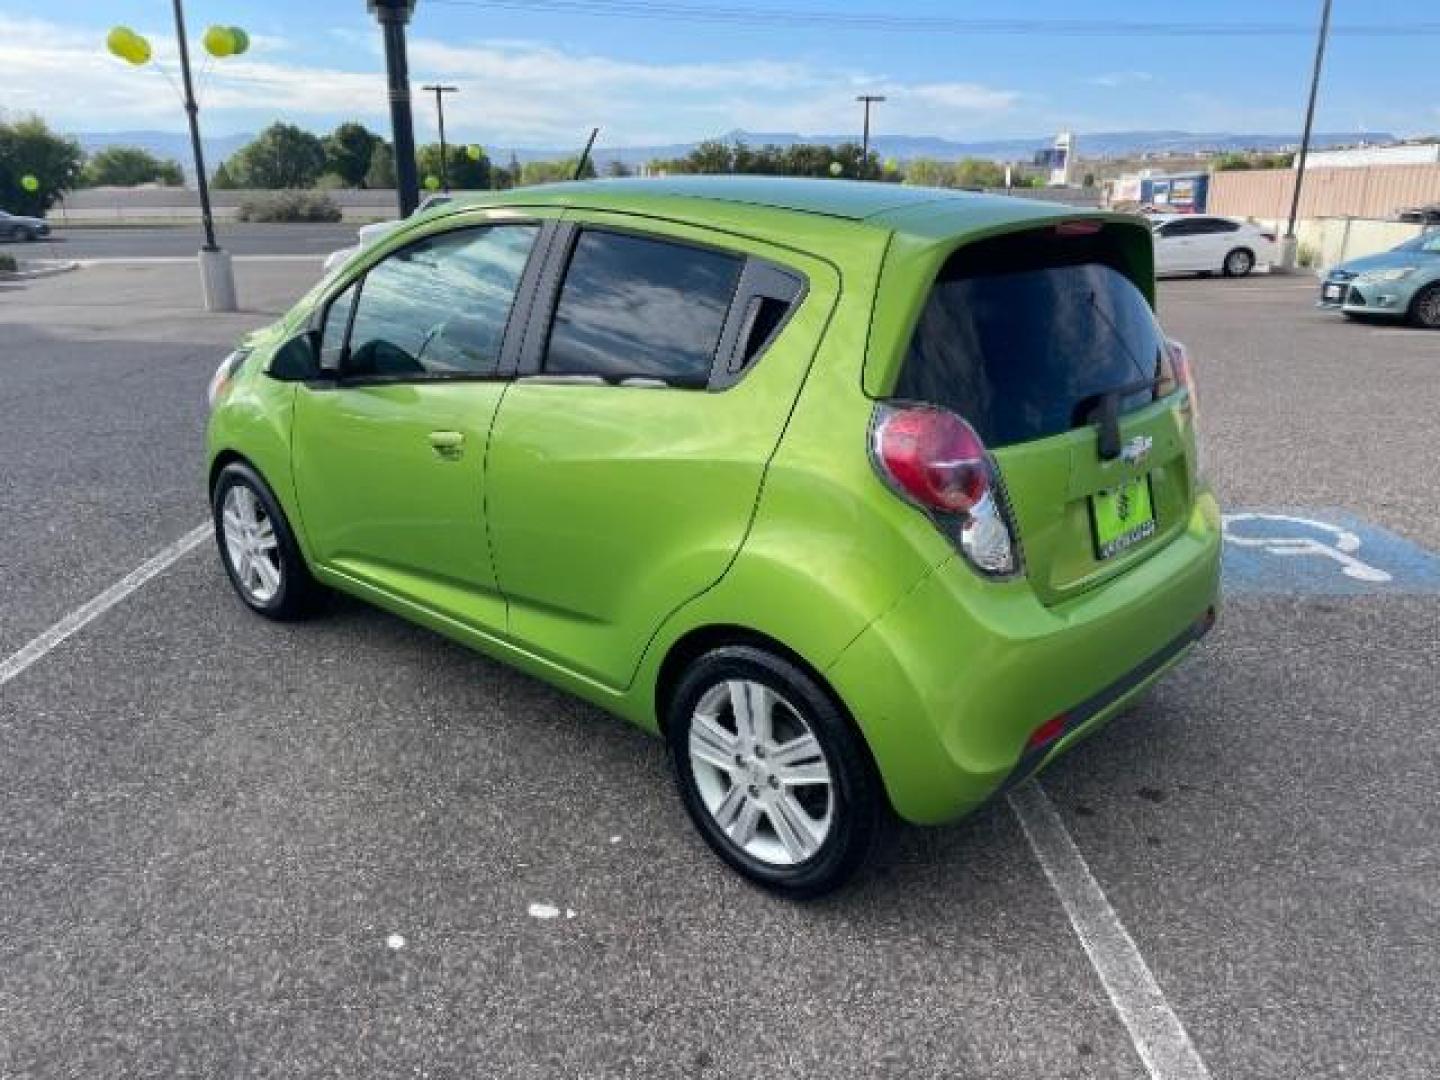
[132, 241]
[232, 849]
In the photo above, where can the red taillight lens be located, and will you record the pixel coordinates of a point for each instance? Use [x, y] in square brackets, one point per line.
[1182, 369]
[1047, 732]
[933, 457]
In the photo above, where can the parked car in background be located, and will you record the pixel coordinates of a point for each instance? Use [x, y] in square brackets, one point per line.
[17, 227]
[868, 499]
[1203, 244]
[1403, 283]
[376, 230]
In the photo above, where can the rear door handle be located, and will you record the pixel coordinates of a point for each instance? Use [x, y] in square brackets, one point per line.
[447, 443]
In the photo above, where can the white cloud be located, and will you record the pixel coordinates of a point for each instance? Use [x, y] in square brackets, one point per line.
[1112, 79]
[513, 92]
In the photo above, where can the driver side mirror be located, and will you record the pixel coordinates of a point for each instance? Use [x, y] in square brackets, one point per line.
[298, 360]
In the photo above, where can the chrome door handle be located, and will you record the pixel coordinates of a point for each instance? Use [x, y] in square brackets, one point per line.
[447, 444]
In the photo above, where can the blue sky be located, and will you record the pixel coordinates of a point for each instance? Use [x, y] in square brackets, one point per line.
[534, 78]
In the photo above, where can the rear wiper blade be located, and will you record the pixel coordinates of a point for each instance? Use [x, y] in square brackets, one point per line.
[1103, 410]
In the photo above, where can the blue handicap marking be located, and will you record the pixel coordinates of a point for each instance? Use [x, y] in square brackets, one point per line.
[1322, 552]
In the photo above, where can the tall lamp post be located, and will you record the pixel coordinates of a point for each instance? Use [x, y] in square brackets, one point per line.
[392, 16]
[868, 100]
[440, 91]
[217, 278]
[1289, 245]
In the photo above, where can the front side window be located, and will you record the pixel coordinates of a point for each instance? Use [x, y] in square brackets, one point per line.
[635, 307]
[439, 307]
[337, 324]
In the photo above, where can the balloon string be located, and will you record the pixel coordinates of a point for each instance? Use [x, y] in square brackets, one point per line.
[173, 86]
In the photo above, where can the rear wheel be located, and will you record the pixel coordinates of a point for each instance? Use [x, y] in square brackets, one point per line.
[772, 773]
[1239, 262]
[259, 551]
[1425, 308]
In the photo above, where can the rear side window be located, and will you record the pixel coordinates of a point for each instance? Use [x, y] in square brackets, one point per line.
[638, 307]
[1023, 336]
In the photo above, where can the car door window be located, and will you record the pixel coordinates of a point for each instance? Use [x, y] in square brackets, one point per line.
[337, 325]
[439, 307]
[635, 307]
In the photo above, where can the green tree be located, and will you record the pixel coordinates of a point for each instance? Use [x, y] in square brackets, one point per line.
[223, 180]
[348, 150]
[127, 166]
[381, 173]
[466, 173]
[979, 173]
[281, 156]
[927, 172]
[549, 172]
[29, 148]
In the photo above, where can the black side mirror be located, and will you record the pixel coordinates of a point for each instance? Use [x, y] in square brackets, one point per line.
[298, 360]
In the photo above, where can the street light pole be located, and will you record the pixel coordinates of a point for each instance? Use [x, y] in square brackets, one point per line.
[1288, 251]
[217, 279]
[439, 92]
[392, 16]
[868, 100]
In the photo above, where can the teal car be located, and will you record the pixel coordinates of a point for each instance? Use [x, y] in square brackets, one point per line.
[1403, 283]
[870, 500]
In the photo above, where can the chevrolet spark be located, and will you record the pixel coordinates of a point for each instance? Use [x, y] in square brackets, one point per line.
[869, 500]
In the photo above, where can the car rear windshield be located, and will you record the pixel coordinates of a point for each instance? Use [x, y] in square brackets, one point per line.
[1024, 335]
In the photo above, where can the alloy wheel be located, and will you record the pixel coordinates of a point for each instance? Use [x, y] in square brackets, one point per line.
[251, 544]
[761, 772]
[1427, 308]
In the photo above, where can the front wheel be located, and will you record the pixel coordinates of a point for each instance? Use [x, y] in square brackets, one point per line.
[1425, 308]
[257, 547]
[1239, 263]
[772, 773]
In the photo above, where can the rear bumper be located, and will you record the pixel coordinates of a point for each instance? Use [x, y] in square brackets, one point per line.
[949, 685]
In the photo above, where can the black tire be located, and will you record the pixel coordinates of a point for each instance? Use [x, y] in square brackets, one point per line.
[31, 235]
[1238, 263]
[859, 814]
[297, 591]
[1425, 308]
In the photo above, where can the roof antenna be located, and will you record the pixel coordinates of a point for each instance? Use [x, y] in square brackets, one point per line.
[585, 155]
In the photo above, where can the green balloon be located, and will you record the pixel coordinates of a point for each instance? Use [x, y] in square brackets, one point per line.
[240, 41]
[432, 183]
[219, 41]
[891, 165]
[473, 152]
[836, 168]
[30, 184]
[128, 45]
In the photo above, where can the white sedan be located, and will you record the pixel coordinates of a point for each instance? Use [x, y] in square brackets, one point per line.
[368, 234]
[1200, 244]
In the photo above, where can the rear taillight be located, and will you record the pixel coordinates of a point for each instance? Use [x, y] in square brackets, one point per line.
[1269, 236]
[1183, 371]
[934, 459]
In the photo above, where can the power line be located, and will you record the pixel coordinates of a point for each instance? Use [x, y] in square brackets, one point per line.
[879, 21]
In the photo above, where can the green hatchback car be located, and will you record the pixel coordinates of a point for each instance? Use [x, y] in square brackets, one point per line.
[871, 500]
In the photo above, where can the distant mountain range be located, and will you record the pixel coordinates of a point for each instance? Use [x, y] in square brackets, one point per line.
[176, 145]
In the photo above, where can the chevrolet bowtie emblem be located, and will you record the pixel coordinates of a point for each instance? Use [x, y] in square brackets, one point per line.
[1136, 450]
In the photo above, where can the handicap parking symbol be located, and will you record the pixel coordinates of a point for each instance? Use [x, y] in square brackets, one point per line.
[1322, 553]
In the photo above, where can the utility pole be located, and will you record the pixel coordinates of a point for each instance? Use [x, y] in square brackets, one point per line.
[216, 276]
[392, 16]
[868, 100]
[1288, 251]
[440, 92]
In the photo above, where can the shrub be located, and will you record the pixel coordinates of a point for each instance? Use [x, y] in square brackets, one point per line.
[289, 206]
[8, 264]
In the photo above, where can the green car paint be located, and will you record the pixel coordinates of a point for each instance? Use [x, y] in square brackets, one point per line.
[599, 536]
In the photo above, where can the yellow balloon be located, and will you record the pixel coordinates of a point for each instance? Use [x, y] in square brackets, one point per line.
[474, 152]
[29, 183]
[432, 183]
[239, 41]
[219, 41]
[128, 45]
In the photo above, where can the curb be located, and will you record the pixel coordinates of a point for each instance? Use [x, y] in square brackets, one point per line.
[40, 271]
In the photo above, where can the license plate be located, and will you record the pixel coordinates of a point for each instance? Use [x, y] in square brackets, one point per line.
[1124, 516]
[1334, 292]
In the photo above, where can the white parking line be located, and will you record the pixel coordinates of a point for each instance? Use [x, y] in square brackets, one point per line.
[1159, 1037]
[92, 609]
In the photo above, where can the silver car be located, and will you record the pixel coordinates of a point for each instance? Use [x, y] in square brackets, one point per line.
[16, 227]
